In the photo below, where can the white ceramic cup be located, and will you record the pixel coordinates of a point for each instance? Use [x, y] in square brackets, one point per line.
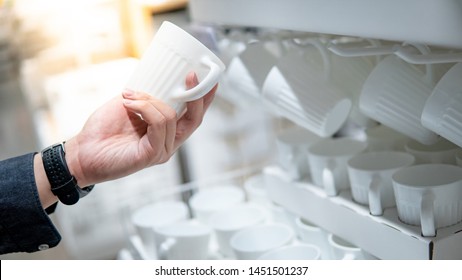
[349, 74]
[171, 55]
[394, 94]
[383, 138]
[443, 110]
[312, 234]
[205, 202]
[370, 178]
[252, 242]
[293, 252]
[300, 89]
[328, 162]
[442, 151]
[247, 71]
[292, 147]
[429, 196]
[344, 250]
[154, 216]
[228, 222]
[187, 240]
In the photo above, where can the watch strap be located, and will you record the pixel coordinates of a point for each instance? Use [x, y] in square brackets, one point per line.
[63, 184]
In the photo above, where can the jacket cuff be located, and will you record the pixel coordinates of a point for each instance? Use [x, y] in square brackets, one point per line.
[24, 224]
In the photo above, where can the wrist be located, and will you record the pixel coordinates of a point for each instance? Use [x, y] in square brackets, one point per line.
[73, 163]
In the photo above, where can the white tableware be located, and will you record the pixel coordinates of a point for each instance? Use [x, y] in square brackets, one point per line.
[344, 250]
[370, 178]
[205, 202]
[247, 71]
[429, 196]
[383, 138]
[299, 88]
[443, 110]
[328, 162]
[154, 216]
[252, 242]
[309, 233]
[442, 151]
[292, 147]
[171, 55]
[184, 241]
[293, 252]
[256, 190]
[349, 74]
[228, 222]
[395, 94]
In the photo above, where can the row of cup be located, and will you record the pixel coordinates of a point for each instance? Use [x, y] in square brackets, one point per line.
[298, 81]
[294, 144]
[387, 178]
[242, 231]
[317, 90]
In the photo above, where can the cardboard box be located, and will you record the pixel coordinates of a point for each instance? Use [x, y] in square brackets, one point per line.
[385, 237]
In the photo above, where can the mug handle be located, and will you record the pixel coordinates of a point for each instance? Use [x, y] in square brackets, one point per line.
[165, 247]
[427, 216]
[375, 201]
[328, 178]
[203, 87]
[324, 54]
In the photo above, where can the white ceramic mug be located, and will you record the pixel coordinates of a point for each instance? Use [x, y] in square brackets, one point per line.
[247, 71]
[442, 151]
[429, 196]
[205, 202]
[292, 147]
[171, 55]
[344, 250]
[154, 216]
[184, 241]
[312, 234]
[370, 178]
[293, 252]
[349, 74]
[300, 89]
[383, 138]
[228, 222]
[443, 110]
[252, 242]
[328, 162]
[395, 94]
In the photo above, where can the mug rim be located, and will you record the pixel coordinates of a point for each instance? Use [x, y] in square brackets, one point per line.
[400, 182]
[399, 159]
[289, 236]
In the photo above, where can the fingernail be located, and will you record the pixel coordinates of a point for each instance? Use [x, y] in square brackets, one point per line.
[127, 101]
[128, 92]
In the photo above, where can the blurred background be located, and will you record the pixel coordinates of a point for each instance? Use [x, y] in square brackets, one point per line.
[59, 61]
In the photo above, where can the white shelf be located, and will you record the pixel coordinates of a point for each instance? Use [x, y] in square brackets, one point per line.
[431, 22]
[383, 236]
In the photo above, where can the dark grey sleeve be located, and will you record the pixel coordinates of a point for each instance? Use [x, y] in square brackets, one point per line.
[24, 225]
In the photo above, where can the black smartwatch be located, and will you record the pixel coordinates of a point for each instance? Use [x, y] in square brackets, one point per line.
[63, 184]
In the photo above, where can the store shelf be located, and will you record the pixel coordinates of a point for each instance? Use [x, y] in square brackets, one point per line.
[431, 22]
[383, 236]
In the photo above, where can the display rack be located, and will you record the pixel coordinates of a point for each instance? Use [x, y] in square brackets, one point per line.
[431, 22]
[385, 237]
